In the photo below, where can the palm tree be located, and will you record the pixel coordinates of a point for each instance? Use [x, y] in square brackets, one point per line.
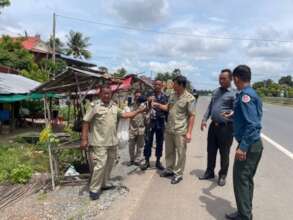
[59, 45]
[4, 3]
[77, 45]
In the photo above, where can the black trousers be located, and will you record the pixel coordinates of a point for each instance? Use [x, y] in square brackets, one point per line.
[158, 130]
[220, 137]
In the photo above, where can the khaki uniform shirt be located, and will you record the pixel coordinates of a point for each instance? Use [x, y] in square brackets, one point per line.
[137, 124]
[179, 110]
[103, 121]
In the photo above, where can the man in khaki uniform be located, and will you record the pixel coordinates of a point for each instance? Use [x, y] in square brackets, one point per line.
[136, 132]
[178, 133]
[99, 131]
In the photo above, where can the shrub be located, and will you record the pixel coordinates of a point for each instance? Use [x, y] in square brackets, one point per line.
[18, 161]
[21, 174]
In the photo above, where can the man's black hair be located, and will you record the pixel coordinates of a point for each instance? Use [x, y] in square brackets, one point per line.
[138, 91]
[227, 71]
[181, 81]
[106, 87]
[243, 72]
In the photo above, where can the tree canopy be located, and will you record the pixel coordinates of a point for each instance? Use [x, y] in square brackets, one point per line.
[13, 55]
[59, 45]
[77, 45]
[269, 88]
[4, 3]
[286, 80]
[120, 72]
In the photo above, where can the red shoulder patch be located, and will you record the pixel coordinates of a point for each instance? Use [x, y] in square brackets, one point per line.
[246, 98]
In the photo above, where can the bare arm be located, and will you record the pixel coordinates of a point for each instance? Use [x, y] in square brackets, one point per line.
[132, 114]
[84, 135]
[191, 120]
[160, 106]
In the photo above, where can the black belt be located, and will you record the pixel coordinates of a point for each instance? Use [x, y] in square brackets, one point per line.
[218, 124]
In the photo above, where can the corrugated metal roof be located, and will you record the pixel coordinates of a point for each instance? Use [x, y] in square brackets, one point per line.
[16, 84]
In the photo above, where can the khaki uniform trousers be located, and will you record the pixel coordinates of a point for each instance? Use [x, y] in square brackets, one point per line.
[103, 159]
[135, 147]
[175, 153]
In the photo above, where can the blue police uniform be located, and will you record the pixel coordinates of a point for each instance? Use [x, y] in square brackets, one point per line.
[156, 127]
[247, 130]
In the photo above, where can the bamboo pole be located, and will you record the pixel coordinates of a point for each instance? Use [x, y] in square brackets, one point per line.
[48, 122]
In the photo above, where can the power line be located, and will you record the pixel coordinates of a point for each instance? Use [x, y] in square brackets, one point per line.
[173, 33]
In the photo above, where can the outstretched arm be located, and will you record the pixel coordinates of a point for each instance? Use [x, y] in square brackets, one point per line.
[132, 114]
[163, 107]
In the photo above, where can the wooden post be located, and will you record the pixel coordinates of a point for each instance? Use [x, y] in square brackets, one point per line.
[54, 39]
[48, 121]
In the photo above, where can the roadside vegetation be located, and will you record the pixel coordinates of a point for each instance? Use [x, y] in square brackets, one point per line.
[269, 88]
[19, 160]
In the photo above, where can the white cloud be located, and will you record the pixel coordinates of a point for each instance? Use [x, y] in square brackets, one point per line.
[267, 49]
[264, 69]
[194, 45]
[141, 12]
[9, 25]
[169, 66]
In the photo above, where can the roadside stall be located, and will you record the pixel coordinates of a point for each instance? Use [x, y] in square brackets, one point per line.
[15, 94]
[76, 87]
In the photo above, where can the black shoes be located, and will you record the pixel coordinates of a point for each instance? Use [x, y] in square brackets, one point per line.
[133, 163]
[222, 180]
[233, 216]
[130, 163]
[176, 179]
[95, 196]
[207, 175]
[159, 166]
[145, 166]
[237, 216]
[166, 173]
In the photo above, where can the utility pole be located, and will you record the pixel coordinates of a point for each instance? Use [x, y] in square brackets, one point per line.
[53, 38]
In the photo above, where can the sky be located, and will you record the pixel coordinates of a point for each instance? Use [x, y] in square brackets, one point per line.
[199, 49]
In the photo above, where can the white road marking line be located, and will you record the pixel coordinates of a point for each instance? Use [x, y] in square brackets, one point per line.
[278, 146]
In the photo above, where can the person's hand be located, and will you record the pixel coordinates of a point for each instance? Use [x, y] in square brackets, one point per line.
[84, 144]
[227, 114]
[188, 137]
[203, 125]
[155, 105]
[240, 155]
[142, 108]
[151, 98]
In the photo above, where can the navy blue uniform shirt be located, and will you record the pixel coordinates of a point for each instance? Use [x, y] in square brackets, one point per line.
[247, 118]
[156, 113]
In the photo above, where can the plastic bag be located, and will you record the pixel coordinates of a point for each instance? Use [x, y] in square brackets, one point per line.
[122, 130]
[71, 171]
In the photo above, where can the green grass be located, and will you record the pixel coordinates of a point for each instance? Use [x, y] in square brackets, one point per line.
[278, 101]
[18, 161]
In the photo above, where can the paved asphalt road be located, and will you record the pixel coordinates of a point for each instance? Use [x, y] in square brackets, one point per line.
[154, 198]
[278, 124]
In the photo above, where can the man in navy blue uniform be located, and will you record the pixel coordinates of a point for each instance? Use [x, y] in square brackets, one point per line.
[156, 126]
[247, 131]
